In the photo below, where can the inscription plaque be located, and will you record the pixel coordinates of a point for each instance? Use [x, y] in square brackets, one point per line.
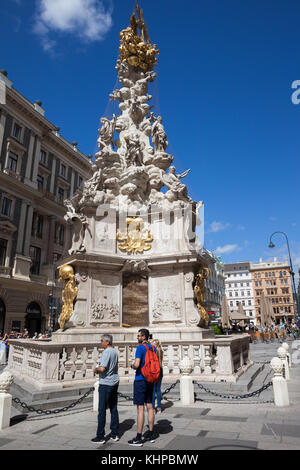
[135, 300]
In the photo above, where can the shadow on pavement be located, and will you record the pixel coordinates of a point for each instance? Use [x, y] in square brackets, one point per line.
[17, 419]
[125, 426]
[163, 426]
[167, 405]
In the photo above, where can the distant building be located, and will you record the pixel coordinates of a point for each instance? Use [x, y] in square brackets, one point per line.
[238, 288]
[214, 285]
[38, 170]
[273, 279]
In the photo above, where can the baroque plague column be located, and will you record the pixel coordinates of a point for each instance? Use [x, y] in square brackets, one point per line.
[134, 251]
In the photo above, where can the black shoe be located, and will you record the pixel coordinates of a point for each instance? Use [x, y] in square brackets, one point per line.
[98, 440]
[137, 442]
[149, 436]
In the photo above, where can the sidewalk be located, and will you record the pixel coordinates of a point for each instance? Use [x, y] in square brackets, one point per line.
[214, 423]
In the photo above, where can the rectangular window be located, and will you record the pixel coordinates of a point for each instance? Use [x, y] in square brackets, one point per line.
[35, 255]
[16, 326]
[63, 170]
[6, 206]
[40, 182]
[249, 302]
[3, 247]
[61, 235]
[17, 130]
[80, 181]
[43, 157]
[61, 194]
[39, 226]
[12, 162]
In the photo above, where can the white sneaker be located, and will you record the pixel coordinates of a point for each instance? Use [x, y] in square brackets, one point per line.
[115, 439]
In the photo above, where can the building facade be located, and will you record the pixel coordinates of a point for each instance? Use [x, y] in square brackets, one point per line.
[38, 170]
[214, 285]
[273, 279]
[239, 288]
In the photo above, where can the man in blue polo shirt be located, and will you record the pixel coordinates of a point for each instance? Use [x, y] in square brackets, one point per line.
[142, 391]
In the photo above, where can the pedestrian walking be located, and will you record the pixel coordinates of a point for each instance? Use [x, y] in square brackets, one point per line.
[108, 390]
[157, 386]
[143, 388]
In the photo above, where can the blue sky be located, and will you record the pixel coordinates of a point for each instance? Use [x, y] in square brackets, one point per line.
[224, 91]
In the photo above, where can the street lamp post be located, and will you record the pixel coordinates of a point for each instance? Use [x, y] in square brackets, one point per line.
[295, 297]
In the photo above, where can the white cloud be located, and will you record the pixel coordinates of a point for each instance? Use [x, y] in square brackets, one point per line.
[226, 249]
[240, 227]
[217, 227]
[86, 19]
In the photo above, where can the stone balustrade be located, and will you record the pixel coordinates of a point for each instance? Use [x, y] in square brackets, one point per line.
[53, 365]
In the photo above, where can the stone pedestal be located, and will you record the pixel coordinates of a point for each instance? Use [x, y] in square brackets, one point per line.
[5, 410]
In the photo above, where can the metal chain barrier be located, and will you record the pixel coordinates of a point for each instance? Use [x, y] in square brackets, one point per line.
[56, 411]
[236, 397]
[127, 397]
[170, 388]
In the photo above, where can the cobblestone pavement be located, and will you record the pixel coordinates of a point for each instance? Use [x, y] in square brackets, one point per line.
[209, 424]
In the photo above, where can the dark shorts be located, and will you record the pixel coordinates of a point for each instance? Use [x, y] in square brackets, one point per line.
[142, 392]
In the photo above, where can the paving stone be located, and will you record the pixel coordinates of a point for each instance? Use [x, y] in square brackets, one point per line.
[282, 429]
[183, 443]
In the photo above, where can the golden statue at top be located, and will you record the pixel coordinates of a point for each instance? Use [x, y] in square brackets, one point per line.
[137, 239]
[199, 291]
[138, 50]
[69, 293]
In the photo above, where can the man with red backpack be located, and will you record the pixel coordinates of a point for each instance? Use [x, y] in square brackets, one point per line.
[147, 373]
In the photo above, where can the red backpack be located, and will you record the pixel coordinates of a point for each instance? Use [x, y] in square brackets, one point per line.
[151, 369]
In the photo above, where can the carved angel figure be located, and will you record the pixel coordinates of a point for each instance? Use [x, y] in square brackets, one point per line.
[134, 150]
[79, 225]
[158, 134]
[69, 293]
[172, 181]
[199, 291]
[107, 131]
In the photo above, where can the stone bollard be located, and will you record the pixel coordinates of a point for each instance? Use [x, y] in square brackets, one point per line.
[282, 355]
[96, 396]
[186, 381]
[6, 379]
[280, 389]
[288, 356]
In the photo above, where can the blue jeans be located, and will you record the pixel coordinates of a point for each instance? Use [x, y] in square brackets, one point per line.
[108, 398]
[157, 392]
